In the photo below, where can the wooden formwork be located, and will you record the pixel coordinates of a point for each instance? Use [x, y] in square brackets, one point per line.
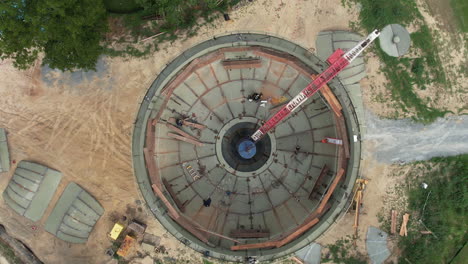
[242, 64]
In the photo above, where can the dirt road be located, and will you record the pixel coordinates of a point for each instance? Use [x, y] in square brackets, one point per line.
[405, 141]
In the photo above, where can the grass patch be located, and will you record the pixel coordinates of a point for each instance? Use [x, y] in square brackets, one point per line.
[406, 74]
[7, 252]
[444, 213]
[460, 8]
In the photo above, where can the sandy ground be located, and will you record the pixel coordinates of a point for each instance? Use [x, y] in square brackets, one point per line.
[380, 189]
[3, 260]
[82, 127]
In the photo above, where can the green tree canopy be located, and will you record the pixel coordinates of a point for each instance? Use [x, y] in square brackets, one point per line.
[180, 14]
[67, 31]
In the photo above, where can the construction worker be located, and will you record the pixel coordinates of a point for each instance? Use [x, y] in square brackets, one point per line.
[207, 202]
[255, 97]
[179, 122]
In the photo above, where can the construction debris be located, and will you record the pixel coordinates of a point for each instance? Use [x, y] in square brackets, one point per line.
[137, 229]
[126, 246]
[110, 252]
[186, 122]
[425, 232]
[182, 135]
[403, 229]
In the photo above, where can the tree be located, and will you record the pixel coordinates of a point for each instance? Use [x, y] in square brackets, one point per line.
[183, 14]
[68, 32]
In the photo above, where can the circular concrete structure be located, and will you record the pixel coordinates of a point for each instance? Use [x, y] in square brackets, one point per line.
[209, 184]
[236, 134]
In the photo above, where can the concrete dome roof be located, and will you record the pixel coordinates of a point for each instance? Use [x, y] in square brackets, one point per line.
[188, 172]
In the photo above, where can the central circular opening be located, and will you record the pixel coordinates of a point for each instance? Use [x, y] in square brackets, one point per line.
[247, 148]
[239, 150]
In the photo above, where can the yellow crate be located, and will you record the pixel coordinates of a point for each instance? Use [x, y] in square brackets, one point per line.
[116, 230]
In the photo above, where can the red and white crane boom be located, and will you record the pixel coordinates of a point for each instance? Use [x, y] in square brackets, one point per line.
[338, 61]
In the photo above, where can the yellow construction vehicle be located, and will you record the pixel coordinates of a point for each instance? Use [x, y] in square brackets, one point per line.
[357, 200]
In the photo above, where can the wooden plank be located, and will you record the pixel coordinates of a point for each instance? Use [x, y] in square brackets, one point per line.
[249, 233]
[403, 229]
[172, 211]
[311, 217]
[331, 99]
[394, 222]
[268, 244]
[216, 234]
[180, 131]
[279, 243]
[189, 226]
[330, 191]
[188, 123]
[150, 136]
[189, 69]
[343, 134]
[241, 64]
[297, 260]
[316, 214]
[148, 153]
[195, 125]
[152, 168]
[319, 180]
[188, 140]
[297, 233]
[356, 215]
[173, 195]
[286, 59]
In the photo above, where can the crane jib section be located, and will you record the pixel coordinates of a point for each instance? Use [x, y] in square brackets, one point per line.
[326, 76]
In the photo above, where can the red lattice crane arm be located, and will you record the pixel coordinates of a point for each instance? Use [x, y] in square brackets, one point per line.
[338, 61]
